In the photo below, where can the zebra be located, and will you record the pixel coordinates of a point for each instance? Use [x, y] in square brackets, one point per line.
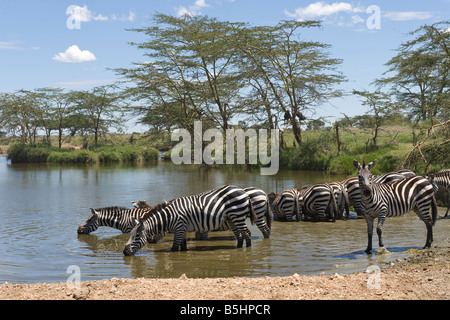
[121, 218]
[261, 206]
[341, 198]
[442, 180]
[285, 205]
[315, 200]
[395, 199]
[201, 213]
[353, 190]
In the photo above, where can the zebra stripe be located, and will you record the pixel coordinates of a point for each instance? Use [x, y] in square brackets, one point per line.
[123, 219]
[316, 200]
[395, 199]
[353, 191]
[115, 217]
[442, 180]
[204, 212]
[341, 198]
[285, 205]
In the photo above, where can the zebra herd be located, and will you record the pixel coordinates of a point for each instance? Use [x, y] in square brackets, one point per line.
[227, 208]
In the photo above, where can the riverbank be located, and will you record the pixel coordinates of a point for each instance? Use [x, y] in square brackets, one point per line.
[425, 275]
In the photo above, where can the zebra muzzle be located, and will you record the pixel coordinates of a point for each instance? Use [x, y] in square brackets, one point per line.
[128, 251]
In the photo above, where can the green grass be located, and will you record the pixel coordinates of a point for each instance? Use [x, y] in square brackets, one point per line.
[19, 153]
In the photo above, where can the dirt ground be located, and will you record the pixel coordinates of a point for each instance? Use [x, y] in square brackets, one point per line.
[425, 275]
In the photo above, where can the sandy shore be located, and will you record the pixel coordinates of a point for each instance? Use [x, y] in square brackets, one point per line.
[425, 275]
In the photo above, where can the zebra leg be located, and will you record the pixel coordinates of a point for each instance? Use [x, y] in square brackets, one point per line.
[179, 240]
[262, 226]
[448, 203]
[369, 221]
[380, 230]
[429, 236]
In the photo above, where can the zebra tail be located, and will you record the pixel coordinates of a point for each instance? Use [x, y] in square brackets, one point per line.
[297, 209]
[269, 215]
[434, 212]
[253, 217]
[347, 203]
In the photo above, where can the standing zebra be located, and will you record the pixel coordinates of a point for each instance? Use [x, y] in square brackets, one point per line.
[285, 205]
[353, 190]
[442, 181]
[315, 200]
[204, 212]
[120, 218]
[395, 199]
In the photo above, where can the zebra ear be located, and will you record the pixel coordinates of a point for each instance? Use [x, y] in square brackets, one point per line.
[372, 164]
[357, 165]
[93, 211]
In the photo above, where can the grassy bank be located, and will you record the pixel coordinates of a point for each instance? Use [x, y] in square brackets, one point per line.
[318, 151]
[19, 153]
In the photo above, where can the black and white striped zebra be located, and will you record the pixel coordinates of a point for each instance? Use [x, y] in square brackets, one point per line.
[353, 190]
[341, 198]
[285, 204]
[263, 211]
[119, 218]
[395, 199]
[442, 180]
[315, 201]
[261, 206]
[123, 219]
[204, 212]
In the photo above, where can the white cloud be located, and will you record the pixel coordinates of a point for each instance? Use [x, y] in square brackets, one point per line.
[407, 15]
[193, 10]
[320, 9]
[74, 54]
[83, 14]
[10, 45]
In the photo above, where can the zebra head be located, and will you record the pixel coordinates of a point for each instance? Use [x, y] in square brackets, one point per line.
[137, 240]
[365, 177]
[90, 225]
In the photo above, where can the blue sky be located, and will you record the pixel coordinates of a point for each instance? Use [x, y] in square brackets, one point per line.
[41, 46]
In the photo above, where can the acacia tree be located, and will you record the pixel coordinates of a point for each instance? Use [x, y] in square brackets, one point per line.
[419, 75]
[191, 74]
[97, 110]
[289, 74]
[380, 108]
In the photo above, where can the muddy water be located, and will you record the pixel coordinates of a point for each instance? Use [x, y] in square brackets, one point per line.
[42, 205]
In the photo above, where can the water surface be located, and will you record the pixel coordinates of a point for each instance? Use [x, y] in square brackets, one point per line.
[41, 206]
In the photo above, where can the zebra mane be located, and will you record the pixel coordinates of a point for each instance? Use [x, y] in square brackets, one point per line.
[155, 208]
[440, 173]
[112, 208]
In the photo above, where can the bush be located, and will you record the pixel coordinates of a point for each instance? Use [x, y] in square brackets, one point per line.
[18, 153]
[76, 156]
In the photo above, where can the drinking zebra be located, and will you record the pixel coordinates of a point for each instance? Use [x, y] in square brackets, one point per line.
[123, 219]
[315, 201]
[261, 206]
[395, 199]
[285, 205]
[204, 212]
